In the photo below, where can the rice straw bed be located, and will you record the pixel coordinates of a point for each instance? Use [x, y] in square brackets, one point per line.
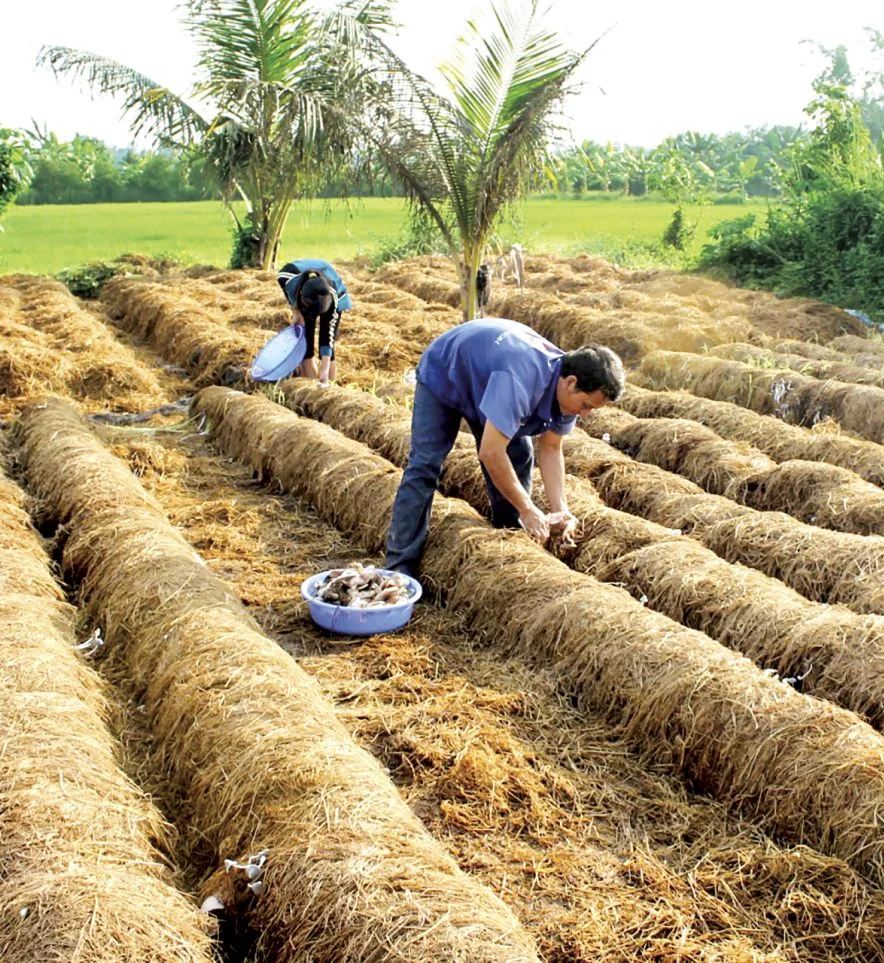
[50, 343]
[82, 881]
[633, 312]
[216, 335]
[854, 345]
[759, 616]
[813, 772]
[631, 333]
[787, 394]
[815, 367]
[186, 333]
[252, 746]
[807, 349]
[813, 492]
[820, 564]
[775, 438]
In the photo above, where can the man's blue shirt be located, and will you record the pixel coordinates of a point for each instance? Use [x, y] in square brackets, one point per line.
[500, 371]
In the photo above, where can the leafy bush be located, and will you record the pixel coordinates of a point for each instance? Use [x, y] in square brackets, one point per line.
[246, 243]
[826, 240]
[415, 239]
[831, 248]
[87, 280]
[679, 232]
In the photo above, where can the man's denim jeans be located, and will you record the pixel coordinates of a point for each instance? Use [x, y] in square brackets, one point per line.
[434, 428]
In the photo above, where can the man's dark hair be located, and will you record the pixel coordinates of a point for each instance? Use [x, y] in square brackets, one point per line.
[315, 297]
[596, 368]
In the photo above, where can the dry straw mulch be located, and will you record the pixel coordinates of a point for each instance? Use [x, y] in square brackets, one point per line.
[215, 334]
[82, 879]
[807, 349]
[256, 752]
[789, 395]
[820, 564]
[841, 652]
[858, 346]
[768, 434]
[632, 311]
[813, 772]
[601, 859]
[815, 367]
[813, 492]
[49, 343]
[183, 329]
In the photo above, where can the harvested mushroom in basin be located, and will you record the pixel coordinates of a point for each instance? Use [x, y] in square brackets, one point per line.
[363, 587]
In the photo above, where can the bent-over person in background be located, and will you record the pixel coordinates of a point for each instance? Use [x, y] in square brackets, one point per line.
[316, 292]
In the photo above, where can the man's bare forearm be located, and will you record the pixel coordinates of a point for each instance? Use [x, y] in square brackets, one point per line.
[500, 468]
[551, 463]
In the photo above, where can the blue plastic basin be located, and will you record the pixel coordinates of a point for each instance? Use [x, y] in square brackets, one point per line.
[281, 355]
[349, 621]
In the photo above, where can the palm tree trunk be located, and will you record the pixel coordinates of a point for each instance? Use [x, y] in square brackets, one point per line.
[467, 269]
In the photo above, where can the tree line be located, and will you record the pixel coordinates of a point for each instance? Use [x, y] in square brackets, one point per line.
[85, 170]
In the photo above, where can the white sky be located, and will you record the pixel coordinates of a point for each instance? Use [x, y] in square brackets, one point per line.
[665, 65]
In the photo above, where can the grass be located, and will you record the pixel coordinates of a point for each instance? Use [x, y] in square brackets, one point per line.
[43, 240]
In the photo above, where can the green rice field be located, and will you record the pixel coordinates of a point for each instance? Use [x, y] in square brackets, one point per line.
[46, 239]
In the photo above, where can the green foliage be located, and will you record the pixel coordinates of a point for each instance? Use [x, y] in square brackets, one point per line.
[679, 232]
[86, 171]
[736, 164]
[826, 240]
[417, 237]
[246, 245]
[15, 169]
[87, 280]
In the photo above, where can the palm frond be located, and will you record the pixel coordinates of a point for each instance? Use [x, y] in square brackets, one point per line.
[262, 41]
[150, 107]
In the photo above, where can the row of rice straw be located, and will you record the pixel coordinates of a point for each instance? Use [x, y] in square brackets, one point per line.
[82, 879]
[815, 367]
[812, 491]
[787, 394]
[768, 434]
[51, 343]
[821, 564]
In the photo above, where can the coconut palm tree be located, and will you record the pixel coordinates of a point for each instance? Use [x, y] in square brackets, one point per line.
[267, 109]
[464, 155]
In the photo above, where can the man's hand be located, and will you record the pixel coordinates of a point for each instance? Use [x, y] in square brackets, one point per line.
[535, 524]
[563, 524]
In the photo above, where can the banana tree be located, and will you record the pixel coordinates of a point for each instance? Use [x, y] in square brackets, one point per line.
[464, 155]
[265, 109]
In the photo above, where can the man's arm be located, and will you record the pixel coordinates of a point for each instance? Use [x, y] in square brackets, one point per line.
[551, 463]
[492, 454]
